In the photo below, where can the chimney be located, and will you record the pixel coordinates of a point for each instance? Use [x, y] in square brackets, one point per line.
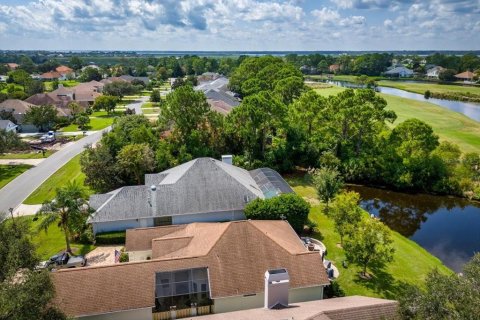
[153, 199]
[228, 159]
[277, 282]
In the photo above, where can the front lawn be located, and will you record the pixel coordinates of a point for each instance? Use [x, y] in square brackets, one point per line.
[411, 262]
[8, 173]
[53, 241]
[98, 120]
[71, 171]
[27, 155]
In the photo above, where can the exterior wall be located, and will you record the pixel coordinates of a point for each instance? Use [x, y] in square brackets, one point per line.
[139, 255]
[208, 217]
[257, 301]
[137, 314]
[120, 225]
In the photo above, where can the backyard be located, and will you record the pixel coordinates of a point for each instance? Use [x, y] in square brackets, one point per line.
[98, 120]
[411, 262]
[449, 125]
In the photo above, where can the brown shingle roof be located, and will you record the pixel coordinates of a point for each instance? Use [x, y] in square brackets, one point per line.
[346, 308]
[237, 261]
[18, 106]
[465, 75]
[51, 75]
[63, 69]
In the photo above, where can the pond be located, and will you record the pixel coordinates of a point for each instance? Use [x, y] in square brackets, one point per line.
[469, 109]
[447, 227]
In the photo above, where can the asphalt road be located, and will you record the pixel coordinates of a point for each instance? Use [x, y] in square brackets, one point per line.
[14, 193]
[137, 106]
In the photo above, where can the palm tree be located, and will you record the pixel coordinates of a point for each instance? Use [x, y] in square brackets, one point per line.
[67, 210]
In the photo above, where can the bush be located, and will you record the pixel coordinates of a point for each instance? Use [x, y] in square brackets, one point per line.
[427, 94]
[285, 206]
[124, 257]
[115, 237]
[333, 291]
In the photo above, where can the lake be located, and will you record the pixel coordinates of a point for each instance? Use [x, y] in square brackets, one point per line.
[447, 227]
[469, 109]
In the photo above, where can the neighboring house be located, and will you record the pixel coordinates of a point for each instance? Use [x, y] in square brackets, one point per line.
[221, 267]
[129, 78]
[435, 72]
[93, 66]
[345, 308]
[12, 66]
[334, 68]
[8, 126]
[466, 76]
[112, 79]
[65, 72]
[401, 72]
[3, 78]
[19, 108]
[218, 96]
[201, 190]
[52, 75]
[60, 101]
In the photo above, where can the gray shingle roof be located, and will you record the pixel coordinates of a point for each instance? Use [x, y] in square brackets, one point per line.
[199, 186]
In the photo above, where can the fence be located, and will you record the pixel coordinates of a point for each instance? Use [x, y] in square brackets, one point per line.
[182, 313]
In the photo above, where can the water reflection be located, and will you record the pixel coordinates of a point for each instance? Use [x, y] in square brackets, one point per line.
[447, 227]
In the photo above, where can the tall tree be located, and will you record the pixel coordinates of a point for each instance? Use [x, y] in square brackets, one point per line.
[67, 210]
[328, 183]
[107, 103]
[346, 214]
[136, 160]
[370, 245]
[43, 117]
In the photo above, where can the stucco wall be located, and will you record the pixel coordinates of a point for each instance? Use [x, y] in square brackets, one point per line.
[137, 314]
[208, 217]
[99, 227]
[257, 301]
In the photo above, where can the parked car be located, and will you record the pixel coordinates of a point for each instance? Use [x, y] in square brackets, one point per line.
[49, 137]
[62, 261]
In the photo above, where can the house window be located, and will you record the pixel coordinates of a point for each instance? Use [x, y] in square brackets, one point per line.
[181, 288]
[162, 221]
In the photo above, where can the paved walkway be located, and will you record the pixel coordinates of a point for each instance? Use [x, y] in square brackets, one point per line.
[26, 210]
[102, 256]
[16, 162]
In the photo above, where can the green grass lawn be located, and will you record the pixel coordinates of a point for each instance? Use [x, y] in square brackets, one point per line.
[53, 241]
[8, 173]
[66, 83]
[433, 87]
[27, 155]
[17, 88]
[411, 262]
[71, 171]
[449, 125]
[150, 105]
[151, 111]
[98, 121]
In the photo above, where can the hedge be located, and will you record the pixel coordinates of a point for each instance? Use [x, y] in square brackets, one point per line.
[115, 237]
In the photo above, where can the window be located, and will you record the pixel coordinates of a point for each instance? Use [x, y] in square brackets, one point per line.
[181, 288]
[162, 221]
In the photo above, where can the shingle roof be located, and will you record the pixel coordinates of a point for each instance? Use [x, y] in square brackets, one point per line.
[345, 308]
[51, 75]
[5, 124]
[199, 186]
[465, 75]
[63, 69]
[397, 70]
[18, 106]
[236, 263]
[221, 96]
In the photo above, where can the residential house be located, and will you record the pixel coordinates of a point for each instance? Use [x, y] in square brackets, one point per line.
[201, 190]
[52, 75]
[194, 269]
[65, 72]
[18, 108]
[434, 72]
[8, 126]
[334, 68]
[218, 96]
[93, 66]
[12, 65]
[345, 308]
[112, 79]
[130, 78]
[3, 78]
[401, 72]
[466, 76]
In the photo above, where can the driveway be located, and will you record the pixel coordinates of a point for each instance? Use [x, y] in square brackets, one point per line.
[137, 106]
[16, 162]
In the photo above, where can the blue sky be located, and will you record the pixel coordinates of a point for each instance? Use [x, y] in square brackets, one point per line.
[240, 24]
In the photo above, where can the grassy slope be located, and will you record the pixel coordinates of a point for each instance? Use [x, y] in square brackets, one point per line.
[53, 241]
[8, 173]
[433, 87]
[411, 262]
[69, 172]
[28, 155]
[449, 125]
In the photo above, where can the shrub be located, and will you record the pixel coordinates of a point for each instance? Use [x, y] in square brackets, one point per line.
[124, 257]
[115, 237]
[285, 206]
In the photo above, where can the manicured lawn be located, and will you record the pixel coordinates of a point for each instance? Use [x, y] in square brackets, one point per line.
[149, 105]
[433, 87]
[449, 125]
[151, 111]
[71, 171]
[411, 262]
[98, 121]
[53, 241]
[66, 83]
[8, 173]
[27, 155]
